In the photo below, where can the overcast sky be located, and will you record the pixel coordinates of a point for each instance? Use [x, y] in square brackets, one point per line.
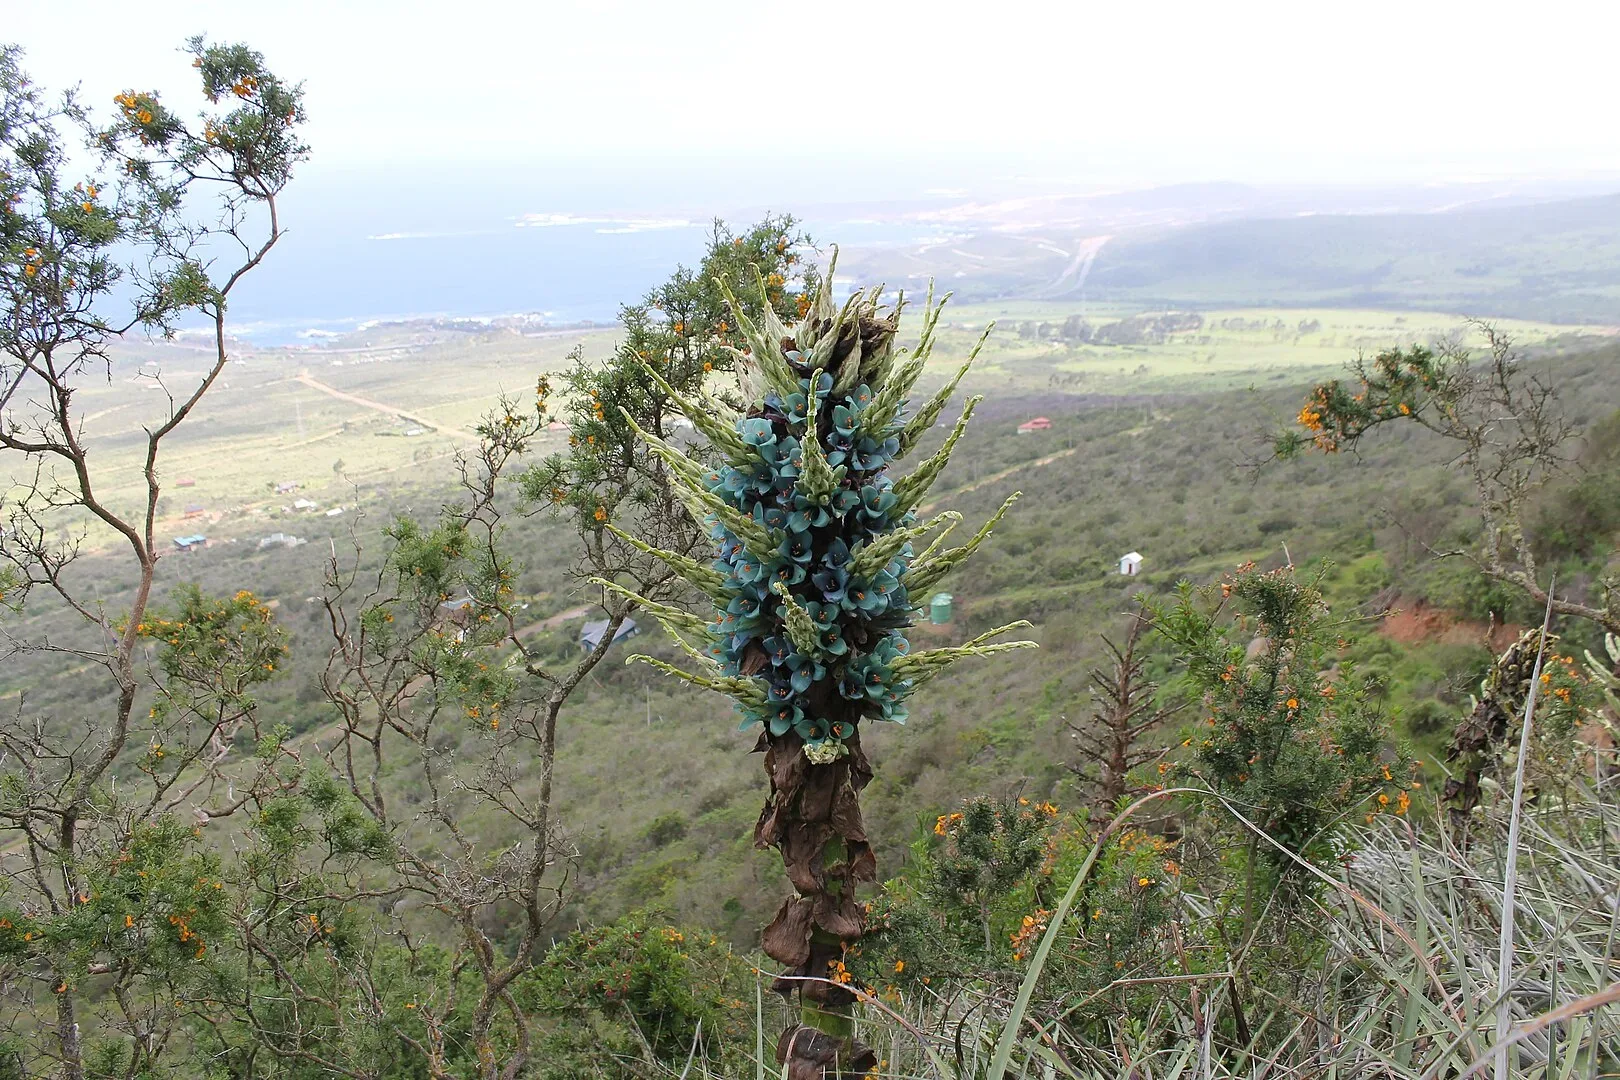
[1136, 91]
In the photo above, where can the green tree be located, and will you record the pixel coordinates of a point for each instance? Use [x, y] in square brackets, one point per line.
[1506, 426]
[163, 225]
[810, 592]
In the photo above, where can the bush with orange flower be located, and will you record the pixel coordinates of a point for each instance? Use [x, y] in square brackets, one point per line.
[1287, 735]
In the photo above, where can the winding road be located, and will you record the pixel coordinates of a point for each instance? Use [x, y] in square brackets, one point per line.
[1077, 269]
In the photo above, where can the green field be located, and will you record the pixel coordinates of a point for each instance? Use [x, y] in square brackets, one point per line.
[1234, 347]
[276, 416]
[386, 410]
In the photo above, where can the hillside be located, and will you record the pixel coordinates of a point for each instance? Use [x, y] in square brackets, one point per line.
[1164, 474]
[1558, 261]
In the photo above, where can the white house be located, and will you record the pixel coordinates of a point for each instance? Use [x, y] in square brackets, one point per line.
[1130, 564]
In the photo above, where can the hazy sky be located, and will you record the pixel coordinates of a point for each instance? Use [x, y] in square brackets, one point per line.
[1118, 90]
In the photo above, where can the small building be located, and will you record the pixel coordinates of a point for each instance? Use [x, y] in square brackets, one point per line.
[281, 540]
[186, 481]
[590, 635]
[286, 487]
[190, 543]
[940, 608]
[304, 506]
[458, 613]
[1040, 423]
[194, 510]
[336, 511]
[1130, 564]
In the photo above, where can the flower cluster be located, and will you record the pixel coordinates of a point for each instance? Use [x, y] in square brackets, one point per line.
[1397, 383]
[138, 108]
[1028, 934]
[815, 565]
[820, 619]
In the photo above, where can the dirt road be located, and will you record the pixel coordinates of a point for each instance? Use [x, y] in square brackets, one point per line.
[929, 507]
[557, 620]
[366, 403]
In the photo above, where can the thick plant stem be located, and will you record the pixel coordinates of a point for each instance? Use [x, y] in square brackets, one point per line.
[813, 819]
[827, 1019]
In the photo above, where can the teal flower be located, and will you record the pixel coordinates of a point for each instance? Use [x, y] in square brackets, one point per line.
[877, 501]
[844, 420]
[784, 716]
[806, 671]
[778, 649]
[797, 546]
[796, 408]
[862, 596]
[787, 571]
[832, 642]
[831, 581]
[823, 615]
[757, 432]
[811, 730]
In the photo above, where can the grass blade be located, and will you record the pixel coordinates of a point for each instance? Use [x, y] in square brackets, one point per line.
[1510, 871]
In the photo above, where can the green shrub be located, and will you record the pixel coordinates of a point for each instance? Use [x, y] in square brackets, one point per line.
[639, 982]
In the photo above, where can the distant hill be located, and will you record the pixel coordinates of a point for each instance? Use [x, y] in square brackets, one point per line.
[1558, 261]
[1209, 246]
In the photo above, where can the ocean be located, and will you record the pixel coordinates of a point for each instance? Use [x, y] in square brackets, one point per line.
[357, 251]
